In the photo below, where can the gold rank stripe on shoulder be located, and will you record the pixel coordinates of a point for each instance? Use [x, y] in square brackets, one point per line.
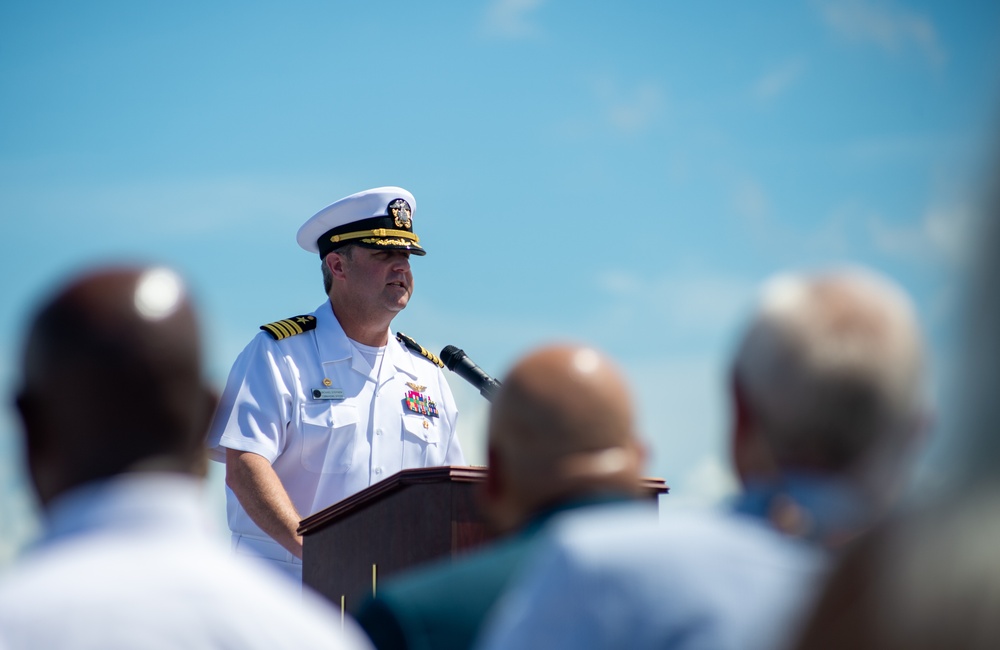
[419, 349]
[282, 329]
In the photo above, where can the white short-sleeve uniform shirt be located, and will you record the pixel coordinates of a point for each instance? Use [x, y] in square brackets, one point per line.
[329, 422]
[131, 562]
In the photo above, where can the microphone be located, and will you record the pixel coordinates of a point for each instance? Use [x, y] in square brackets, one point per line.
[458, 362]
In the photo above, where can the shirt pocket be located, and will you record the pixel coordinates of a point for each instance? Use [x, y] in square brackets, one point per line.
[328, 437]
[421, 429]
[421, 436]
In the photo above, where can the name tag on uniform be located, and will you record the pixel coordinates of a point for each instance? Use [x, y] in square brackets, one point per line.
[328, 393]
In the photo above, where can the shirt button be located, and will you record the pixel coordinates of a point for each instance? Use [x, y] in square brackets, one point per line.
[378, 432]
[378, 471]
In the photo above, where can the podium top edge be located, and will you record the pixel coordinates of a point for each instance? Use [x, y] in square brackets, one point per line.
[417, 475]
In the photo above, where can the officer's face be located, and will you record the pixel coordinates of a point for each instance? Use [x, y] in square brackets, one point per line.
[380, 279]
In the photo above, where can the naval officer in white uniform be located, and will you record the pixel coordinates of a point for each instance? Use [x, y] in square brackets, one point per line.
[322, 405]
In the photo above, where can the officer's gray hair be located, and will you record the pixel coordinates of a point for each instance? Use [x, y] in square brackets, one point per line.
[831, 366]
[347, 250]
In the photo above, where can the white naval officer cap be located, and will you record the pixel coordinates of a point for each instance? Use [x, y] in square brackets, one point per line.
[380, 218]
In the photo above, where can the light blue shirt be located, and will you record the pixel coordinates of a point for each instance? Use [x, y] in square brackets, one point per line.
[621, 578]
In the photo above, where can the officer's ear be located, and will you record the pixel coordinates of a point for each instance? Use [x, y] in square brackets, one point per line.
[335, 263]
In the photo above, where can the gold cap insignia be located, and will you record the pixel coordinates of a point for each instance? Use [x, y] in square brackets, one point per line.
[400, 212]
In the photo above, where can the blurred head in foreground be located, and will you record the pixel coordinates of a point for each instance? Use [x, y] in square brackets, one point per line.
[828, 381]
[931, 577]
[111, 381]
[561, 427]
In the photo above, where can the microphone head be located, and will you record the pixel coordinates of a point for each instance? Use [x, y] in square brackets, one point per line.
[451, 355]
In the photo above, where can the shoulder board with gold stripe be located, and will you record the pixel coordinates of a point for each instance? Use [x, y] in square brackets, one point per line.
[282, 329]
[419, 349]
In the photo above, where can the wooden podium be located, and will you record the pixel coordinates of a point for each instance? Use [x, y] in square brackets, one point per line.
[407, 519]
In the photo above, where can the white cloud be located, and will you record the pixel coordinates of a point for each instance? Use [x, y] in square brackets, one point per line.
[618, 282]
[630, 110]
[682, 408]
[214, 501]
[513, 19]
[889, 149]
[709, 482]
[751, 201]
[635, 112]
[18, 517]
[682, 301]
[618, 108]
[890, 27]
[178, 207]
[775, 82]
[943, 233]
[472, 419]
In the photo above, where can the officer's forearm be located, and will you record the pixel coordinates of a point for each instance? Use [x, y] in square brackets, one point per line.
[254, 482]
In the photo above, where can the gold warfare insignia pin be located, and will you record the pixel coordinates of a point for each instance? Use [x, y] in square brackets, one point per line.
[327, 382]
[400, 212]
[416, 387]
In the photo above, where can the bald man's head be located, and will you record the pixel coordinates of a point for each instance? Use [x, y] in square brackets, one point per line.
[112, 380]
[561, 426]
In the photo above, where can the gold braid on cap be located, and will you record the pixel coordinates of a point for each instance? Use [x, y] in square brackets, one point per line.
[377, 232]
[385, 242]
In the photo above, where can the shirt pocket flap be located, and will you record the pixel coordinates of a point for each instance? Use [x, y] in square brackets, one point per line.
[328, 437]
[422, 428]
[320, 414]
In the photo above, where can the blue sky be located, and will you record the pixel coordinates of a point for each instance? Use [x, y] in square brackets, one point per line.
[623, 174]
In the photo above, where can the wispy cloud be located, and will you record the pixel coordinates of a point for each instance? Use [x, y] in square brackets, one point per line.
[635, 112]
[883, 149]
[775, 82]
[940, 234]
[710, 482]
[18, 517]
[682, 407]
[514, 19]
[751, 201]
[943, 233]
[624, 110]
[171, 207]
[880, 22]
[630, 110]
[682, 301]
